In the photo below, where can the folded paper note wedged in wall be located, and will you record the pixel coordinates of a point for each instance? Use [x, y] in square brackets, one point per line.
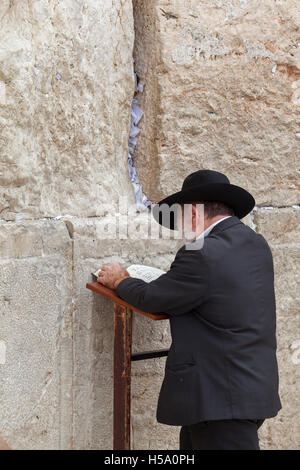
[140, 271]
[136, 115]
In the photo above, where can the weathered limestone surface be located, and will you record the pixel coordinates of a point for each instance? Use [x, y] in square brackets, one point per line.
[66, 84]
[281, 229]
[36, 331]
[227, 87]
[66, 87]
[279, 226]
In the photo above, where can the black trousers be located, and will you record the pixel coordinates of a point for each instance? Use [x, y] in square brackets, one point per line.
[230, 434]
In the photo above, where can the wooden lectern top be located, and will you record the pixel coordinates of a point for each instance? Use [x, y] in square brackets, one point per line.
[111, 294]
[4, 445]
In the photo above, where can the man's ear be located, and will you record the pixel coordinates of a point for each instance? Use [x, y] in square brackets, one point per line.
[194, 213]
[194, 217]
[198, 215]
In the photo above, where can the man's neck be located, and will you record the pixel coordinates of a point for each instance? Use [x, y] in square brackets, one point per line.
[209, 222]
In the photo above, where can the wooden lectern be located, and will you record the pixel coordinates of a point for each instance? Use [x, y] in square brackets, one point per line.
[122, 361]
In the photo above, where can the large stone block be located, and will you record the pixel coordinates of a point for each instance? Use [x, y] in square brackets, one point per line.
[222, 92]
[280, 227]
[283, 432]
[36, 335]
[93, 333]
[66, 85]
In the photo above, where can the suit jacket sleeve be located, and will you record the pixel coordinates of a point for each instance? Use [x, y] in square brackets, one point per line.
[176, 292]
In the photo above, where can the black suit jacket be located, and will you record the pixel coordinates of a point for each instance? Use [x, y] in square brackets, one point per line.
[222, 361]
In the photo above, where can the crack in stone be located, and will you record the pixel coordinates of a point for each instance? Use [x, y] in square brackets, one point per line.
[100, 217]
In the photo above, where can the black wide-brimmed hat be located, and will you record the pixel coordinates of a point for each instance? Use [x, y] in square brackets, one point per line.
[204, 185]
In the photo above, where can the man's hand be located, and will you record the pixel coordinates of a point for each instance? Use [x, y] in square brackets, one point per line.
[111, 274]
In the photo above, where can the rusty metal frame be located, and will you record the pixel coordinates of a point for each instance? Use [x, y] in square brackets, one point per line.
[123, 313]
[122, 376]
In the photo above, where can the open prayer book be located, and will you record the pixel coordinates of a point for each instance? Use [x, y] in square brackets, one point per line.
[146, 273]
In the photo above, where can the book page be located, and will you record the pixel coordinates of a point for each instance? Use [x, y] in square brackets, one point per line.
[140, 271]
[146, 273]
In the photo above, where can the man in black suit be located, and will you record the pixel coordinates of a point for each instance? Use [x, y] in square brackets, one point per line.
[221, 374]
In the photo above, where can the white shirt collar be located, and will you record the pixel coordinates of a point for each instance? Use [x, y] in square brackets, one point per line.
[206, 232]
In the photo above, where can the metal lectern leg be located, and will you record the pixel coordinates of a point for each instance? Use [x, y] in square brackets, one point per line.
[122, 376]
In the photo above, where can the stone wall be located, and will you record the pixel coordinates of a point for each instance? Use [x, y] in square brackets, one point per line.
[221, 91]
[36, 328]
[66, 86]
[66, 89]
[223, 85]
